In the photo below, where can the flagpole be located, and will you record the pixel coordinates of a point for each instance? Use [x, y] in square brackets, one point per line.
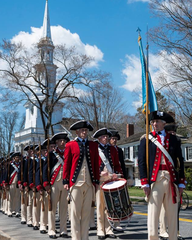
[147, 110]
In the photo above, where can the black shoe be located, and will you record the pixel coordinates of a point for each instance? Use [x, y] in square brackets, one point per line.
[29, 225]
[180, 238]
[118, 230]
[163, 238]
[93, 228]
[53, 236]
[35, 228]
[64, 235]
[23, 222]
[101, 237]
[17, 215]
[111, 236]
[43, 232]
[10, 215]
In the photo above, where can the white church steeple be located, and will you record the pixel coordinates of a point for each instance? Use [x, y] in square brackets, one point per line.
[46, 76]
[46, 23]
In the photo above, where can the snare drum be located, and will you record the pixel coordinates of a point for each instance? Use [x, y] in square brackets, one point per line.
[117, 200]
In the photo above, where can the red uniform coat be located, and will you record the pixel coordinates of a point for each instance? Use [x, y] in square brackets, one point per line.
[74, 155]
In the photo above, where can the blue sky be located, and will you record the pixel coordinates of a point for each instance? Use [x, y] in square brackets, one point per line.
[106, 28]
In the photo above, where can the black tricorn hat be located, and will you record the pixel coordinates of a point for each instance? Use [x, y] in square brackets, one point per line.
[10, 154]
[81, 124]
[16, 154]
[60, 135]
[42, 147]
[114, 133]
[171, 127]
[28, 147]
[101, 132]
[45, 143]
[162, 116]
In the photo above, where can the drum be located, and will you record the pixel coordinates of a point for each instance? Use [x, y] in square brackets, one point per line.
[117, 200]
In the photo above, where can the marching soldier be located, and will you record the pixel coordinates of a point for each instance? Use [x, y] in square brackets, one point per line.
[4, 197]
[22, 183]
[7, 187]
[29, 193]
[165, 183]
[109, 168]
[113, 142]
[39, 185]
[32, 184]
[12, 181]
[163, 234]
[54, 163]
[81, 176]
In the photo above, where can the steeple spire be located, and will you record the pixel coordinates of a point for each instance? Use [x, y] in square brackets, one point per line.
[46, 24]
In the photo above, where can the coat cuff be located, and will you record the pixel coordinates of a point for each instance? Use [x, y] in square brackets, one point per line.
[39, 187]
[25, 184]
[32, 185]
[182, 181]
[45, 184]
[144, 181]
[65, 181]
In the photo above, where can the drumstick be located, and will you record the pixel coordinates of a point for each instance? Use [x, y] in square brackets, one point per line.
[118, 175]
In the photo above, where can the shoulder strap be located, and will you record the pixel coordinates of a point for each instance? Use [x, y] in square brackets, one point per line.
[105, 161]
[154, 140]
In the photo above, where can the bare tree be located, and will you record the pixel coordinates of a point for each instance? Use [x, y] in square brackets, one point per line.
[7, 130]
[103, 105]
[27, 75]
[174, 37]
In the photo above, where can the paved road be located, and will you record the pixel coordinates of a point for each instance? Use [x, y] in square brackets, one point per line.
[137, 228]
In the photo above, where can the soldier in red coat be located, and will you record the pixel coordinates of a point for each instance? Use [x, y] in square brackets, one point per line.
[166, 174]
[109, 168]
[54, 162]
[81, 176]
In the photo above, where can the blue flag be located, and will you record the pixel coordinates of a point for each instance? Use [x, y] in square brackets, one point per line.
[151, 94]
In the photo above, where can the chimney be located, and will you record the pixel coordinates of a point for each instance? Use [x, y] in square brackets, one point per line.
[130, 130]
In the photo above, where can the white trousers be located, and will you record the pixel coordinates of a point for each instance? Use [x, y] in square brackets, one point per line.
[161, 194]
[81, 200]
[103, 227]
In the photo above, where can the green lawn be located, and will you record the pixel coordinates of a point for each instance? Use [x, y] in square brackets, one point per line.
[189, 193]
[138, 192]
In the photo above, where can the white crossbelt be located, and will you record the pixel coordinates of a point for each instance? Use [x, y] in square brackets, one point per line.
[105, 161]
[158, 144]
[60, 162]
[16, 169]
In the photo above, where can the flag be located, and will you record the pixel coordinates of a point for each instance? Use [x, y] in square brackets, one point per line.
[151, 93]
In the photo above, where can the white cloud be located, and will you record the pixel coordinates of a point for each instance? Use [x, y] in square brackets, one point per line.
[160, 69]
[132, 70]
[158, 66]
[60, 35]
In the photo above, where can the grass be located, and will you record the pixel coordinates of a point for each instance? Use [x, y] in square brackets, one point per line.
[138, 192]
[189, 193]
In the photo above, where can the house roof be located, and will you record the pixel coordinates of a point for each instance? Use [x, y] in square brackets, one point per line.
[133, 138]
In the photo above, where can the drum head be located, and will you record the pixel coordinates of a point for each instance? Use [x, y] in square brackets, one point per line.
[113, 185]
